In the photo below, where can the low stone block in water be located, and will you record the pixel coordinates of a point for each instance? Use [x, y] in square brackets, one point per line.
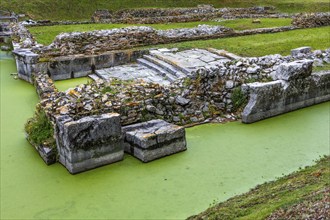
[89, 142]
[154, 139]
[294, 70]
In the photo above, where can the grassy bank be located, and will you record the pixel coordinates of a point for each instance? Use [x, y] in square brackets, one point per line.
[264, 44]
[83, 9]
[46, 35]
[286, 193]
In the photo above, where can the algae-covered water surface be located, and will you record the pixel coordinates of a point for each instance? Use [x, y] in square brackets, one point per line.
[221, 161]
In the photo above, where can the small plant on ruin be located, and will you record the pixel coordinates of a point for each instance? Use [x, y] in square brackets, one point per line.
[40, 130]
[239, 99]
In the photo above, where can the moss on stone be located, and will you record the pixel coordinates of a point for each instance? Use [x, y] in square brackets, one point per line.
[39, 130]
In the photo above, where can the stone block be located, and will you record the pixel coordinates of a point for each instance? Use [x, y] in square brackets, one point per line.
[294, 70]
[89, 142]
[154, 139]
[299, 50]
[278, 97]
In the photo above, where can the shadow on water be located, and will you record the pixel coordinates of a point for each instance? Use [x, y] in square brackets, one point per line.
[221, 161]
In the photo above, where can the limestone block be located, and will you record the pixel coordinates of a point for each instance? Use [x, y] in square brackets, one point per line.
[278, 97]
[89, 142]
[294, 70]
[153, 140]
[299, 50]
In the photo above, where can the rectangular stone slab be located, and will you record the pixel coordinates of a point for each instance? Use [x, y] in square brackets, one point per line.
[154, 139]
[89, 142]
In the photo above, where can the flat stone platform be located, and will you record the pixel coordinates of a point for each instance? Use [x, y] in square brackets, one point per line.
[154, 139]
[164, 65]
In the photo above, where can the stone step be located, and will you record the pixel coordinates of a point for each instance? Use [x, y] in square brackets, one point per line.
[157, 68]
[170, 61]
[94, 77]
[102, 74]
[224, 53]
[164, 65]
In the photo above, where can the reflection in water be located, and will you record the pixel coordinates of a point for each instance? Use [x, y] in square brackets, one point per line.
[221, 161]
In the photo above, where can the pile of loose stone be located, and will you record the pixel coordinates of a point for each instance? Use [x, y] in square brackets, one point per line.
[306, 20]
[206, 93]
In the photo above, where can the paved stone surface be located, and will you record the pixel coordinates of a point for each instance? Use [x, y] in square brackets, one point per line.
[130, 72]
[164, 65]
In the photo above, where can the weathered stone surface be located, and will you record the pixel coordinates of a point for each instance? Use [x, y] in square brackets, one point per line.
[89, 142]
[299, 50]
[294, 70]
[308, 20]
[26, 62]
[153, 140]
[278, 97]
[173, 15]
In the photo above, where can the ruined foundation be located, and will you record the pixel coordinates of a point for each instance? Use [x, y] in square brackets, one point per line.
[153, 140]
[295, 88]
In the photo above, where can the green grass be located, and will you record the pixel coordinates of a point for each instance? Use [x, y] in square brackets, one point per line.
[83, 9]
[264, 44]
[45, 35]
[40, 130]
[261, 201]
[322, 68]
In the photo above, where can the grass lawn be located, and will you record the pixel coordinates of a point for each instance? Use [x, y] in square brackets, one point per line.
[264, 44]
[46, 35]
[83, 9]
[285, 192]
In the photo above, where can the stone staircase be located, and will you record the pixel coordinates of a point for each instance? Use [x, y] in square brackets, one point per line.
[164, 66]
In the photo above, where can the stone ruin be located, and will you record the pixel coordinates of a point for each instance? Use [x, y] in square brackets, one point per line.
[296, 87]
[166, 15]
[179, 91]
[305, 20]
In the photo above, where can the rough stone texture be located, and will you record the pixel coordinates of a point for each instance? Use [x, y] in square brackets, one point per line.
[208, 89]
[305, 20]
[292, 92]
[294, 70]
[163, 66]
[124, 38]
[165, 15]
[153, 140]
[300, 50]
[44, 85]
[26, 62]
[48, 154]
[89, 142]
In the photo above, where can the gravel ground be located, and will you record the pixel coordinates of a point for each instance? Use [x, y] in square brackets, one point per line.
[316, 206]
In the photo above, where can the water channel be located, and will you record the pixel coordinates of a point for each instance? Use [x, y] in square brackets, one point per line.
[221, 161]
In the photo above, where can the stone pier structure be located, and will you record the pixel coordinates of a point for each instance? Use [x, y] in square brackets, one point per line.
[295, 88]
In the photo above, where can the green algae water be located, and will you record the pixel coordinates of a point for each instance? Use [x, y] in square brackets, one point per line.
[63, 85]
[221, 161]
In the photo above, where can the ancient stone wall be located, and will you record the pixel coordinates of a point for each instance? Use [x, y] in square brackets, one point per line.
[311, 20]
[44, 86]
[163, 15]
[295, 88]
[206, 93]
[124, 38]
